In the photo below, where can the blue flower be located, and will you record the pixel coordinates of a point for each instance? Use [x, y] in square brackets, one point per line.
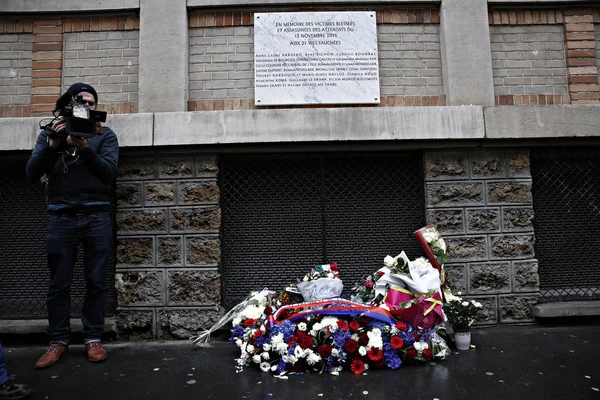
[393, 362]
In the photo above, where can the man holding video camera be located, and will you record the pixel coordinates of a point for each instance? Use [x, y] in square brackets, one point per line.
[77, 157]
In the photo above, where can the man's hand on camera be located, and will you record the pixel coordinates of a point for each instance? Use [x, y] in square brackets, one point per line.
[58, 126]
[78, 142]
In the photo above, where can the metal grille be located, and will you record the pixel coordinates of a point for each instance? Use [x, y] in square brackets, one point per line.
[566, 194]
[282, 214]
[24, 276]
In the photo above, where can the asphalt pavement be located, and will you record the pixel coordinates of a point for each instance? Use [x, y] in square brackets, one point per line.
[541, 361]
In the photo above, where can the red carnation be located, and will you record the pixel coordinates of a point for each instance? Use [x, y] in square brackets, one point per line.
[268, 310]
[363, 339]
[250, 322]
[401, 325]
[396, 342]
[375, 354]
[427, 354]
[343, 325]
[354, 326]
[299, 334]
[358, 367]
[333, 267]
[307, 342]
[369, 284]
[351, 346]
[324, 350]
[410, 354]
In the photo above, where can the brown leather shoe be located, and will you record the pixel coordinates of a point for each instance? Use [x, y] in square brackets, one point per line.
[95, 352]
[52, 355]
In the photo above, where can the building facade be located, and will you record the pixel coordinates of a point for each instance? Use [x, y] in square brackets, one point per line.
[488, 126]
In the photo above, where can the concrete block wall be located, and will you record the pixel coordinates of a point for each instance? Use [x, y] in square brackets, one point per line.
[482, 204]
[15, 69]
[528, 59]
[109, 61]
[168, 249]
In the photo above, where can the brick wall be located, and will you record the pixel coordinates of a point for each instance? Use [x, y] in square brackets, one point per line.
[109, 61]
[528, 60]
[410, 60]
[481, 202]
[15, 68]
[597, 31]
[168, 249]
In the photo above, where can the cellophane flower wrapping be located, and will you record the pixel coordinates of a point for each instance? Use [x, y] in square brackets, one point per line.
[321, 289]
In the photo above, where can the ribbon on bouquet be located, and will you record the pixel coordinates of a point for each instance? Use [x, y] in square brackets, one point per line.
[420, 306]
[336, 307]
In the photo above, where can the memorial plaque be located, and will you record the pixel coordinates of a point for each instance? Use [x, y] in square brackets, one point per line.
[315, 58]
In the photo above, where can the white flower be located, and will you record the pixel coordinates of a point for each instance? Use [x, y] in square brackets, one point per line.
[331, 322]
[266, 347]
[465, 303]
[299, 352]
[254, 312]
[289, 359]
[336, 373]
[313, 358]
[335, 352]
[318, 326]
[281, 348]
[375, 338]
[256, 358]
[430, 235]
[237, 320]
[239, 342]
[302, 326]
[440, 243]
[419, 262]
[389, 261]
[420, 346]
[362, 350]
[459, 293]
[275, 340]
[265, 356]
[265, 366]
[250, 348]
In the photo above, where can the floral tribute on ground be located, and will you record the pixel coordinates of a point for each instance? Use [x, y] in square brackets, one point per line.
[393, 318]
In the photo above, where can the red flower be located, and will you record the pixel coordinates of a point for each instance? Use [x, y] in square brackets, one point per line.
[401, 325]
[300, 334]
[358, 367]
[343, 325]
[333, 267]
[396, 342]
[354, 326]
[307, 342]
[293, 340]
[369, 284]
[363, 339]
[268, 310]
[364, 319]
[427, 354]
[410, 354]
[250, 322]
[258, 333]
[351, 346]
[324, 350]
[375, 354]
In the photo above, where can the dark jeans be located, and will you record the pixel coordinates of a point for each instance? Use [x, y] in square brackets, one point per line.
[65, 233]
[3, 373]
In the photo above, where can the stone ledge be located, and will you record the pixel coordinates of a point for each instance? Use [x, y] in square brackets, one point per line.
[55, 6]
[24, 326]
[567, 309]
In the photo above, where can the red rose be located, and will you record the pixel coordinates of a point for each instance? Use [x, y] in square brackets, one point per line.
[369, 284]
[343, 325]
[396, 342]
[427, 354]
[375, 354]
[410, 354]
[268, 310]
[250, 322]
[333, 267]
[324, 350]
[363, 339]
[307, 342]
[401, 325]
[351, 346]
[354, 326]
[358, 367]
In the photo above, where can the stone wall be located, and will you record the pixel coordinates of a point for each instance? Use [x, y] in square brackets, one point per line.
[168, 248]
[15, 68]
[481, 202]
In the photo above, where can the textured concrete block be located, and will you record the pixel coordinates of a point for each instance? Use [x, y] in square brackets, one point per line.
[129, 194]
[517, 308]
[198, 192]
[203, 250]
[176, 168]
[193, 287]
[489, 278]
[196, 219]
[510, 246]
[519, 163]
[135, 251]
[487, 164]
[525, 276]
[169, 251]
[466, 248]
[135, 325]
[454, 194]
[456, 277]
[447, 221]
[141, 221]
[134, 168]
[140, 288]
[445, 165]
[160, 193]
[185, 323]
[483, 220]
[517, 219]
[511, 192]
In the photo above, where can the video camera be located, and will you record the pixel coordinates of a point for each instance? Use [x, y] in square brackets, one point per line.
[81, 121]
